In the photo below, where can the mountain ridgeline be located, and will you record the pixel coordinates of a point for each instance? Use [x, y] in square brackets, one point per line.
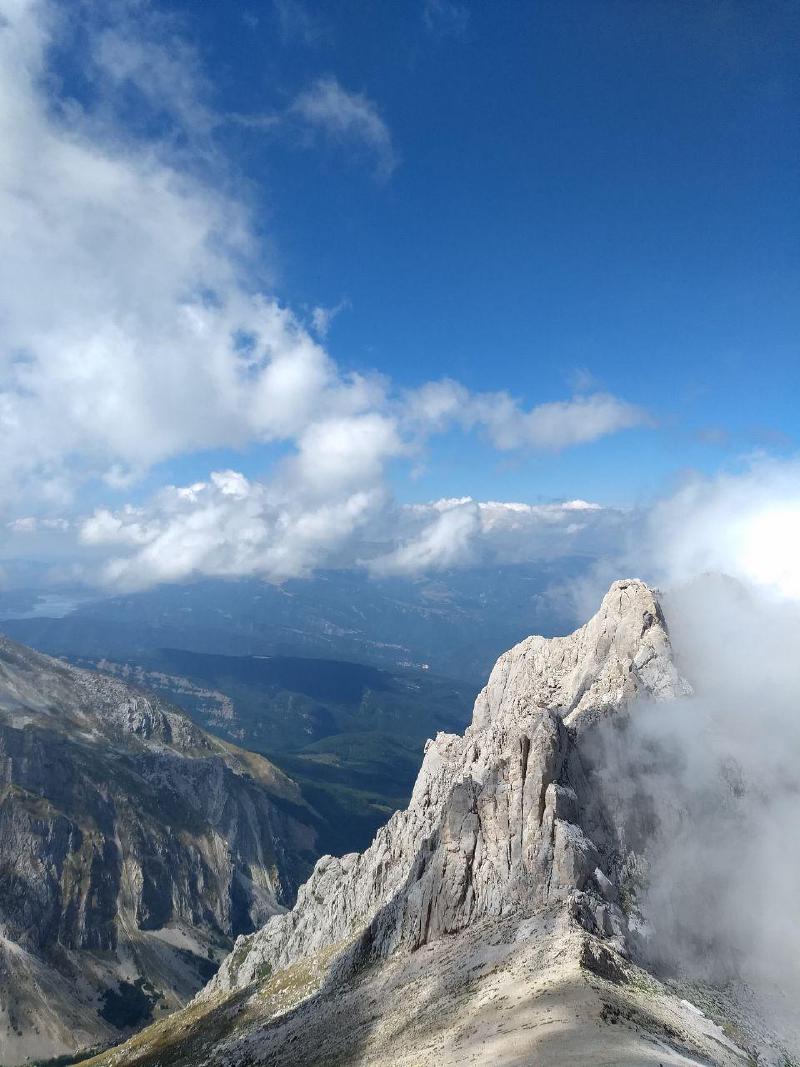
[456, 623]
[496, 919]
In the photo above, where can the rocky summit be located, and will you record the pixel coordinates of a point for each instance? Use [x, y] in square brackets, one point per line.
[134, 847]
[492, 921]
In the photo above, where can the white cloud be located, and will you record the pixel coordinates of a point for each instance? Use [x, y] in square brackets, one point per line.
[231, 525]
[335, 455]
[445, 18]
[435, 405]
[128, 332]
[447, 541]
[554, 425]
[327, 505]
[322, 317]
[24, 525]
[225, 527]
[459, 532]
[744, 524]
[347, 117]
[141, 49]
[716, 782]
[134, 328]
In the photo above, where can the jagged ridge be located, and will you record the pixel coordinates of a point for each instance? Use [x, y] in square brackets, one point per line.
[492, 821]
[498, 884]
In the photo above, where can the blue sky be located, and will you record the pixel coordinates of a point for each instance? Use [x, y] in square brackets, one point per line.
[600, 186]
[252, 237]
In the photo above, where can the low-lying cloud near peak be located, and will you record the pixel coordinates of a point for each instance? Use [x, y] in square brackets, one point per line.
[231, 526]
[707, 791]
[744, 523]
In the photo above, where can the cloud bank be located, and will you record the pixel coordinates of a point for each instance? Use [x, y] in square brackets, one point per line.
[707, 791]
[327, 505]
[137, 326]
[230, 526]
[745, 524]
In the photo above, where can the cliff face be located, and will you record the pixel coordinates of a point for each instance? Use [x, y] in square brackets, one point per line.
[487, 922]
[501, 818]
[133, 848]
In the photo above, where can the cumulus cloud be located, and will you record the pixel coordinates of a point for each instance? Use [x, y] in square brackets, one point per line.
[230, 525]
[128, 333]
[136, 325]
[347, 117]
[745, 524]
[314, 506]
[460, 532]
[446, 541]
[225, 527]
[558, 424]
[508, 424]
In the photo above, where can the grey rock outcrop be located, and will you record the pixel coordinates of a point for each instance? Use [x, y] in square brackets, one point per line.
[501, 819]
[622, 651]
[485, 923]
[133, 848]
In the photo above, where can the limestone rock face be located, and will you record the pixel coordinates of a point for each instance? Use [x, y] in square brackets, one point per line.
[485, 922]
[133, 848]
[623, 650]
[501, 819]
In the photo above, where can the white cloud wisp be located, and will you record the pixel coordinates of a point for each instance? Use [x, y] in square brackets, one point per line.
[346, 117]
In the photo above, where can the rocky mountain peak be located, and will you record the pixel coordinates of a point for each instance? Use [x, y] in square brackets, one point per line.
[488, 921]
[622, 650]
[501, 819]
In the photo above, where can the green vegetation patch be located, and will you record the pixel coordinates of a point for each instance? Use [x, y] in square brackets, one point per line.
[129, 1005]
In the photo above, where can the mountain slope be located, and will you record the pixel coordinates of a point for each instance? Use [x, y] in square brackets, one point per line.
[487, 923]
[350, 735]
[133, 848]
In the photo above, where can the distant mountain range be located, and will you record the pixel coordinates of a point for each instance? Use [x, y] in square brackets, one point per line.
[339, 678]
[455, 623]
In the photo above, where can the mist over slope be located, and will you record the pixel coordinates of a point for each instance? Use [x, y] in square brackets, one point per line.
[709, 796]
